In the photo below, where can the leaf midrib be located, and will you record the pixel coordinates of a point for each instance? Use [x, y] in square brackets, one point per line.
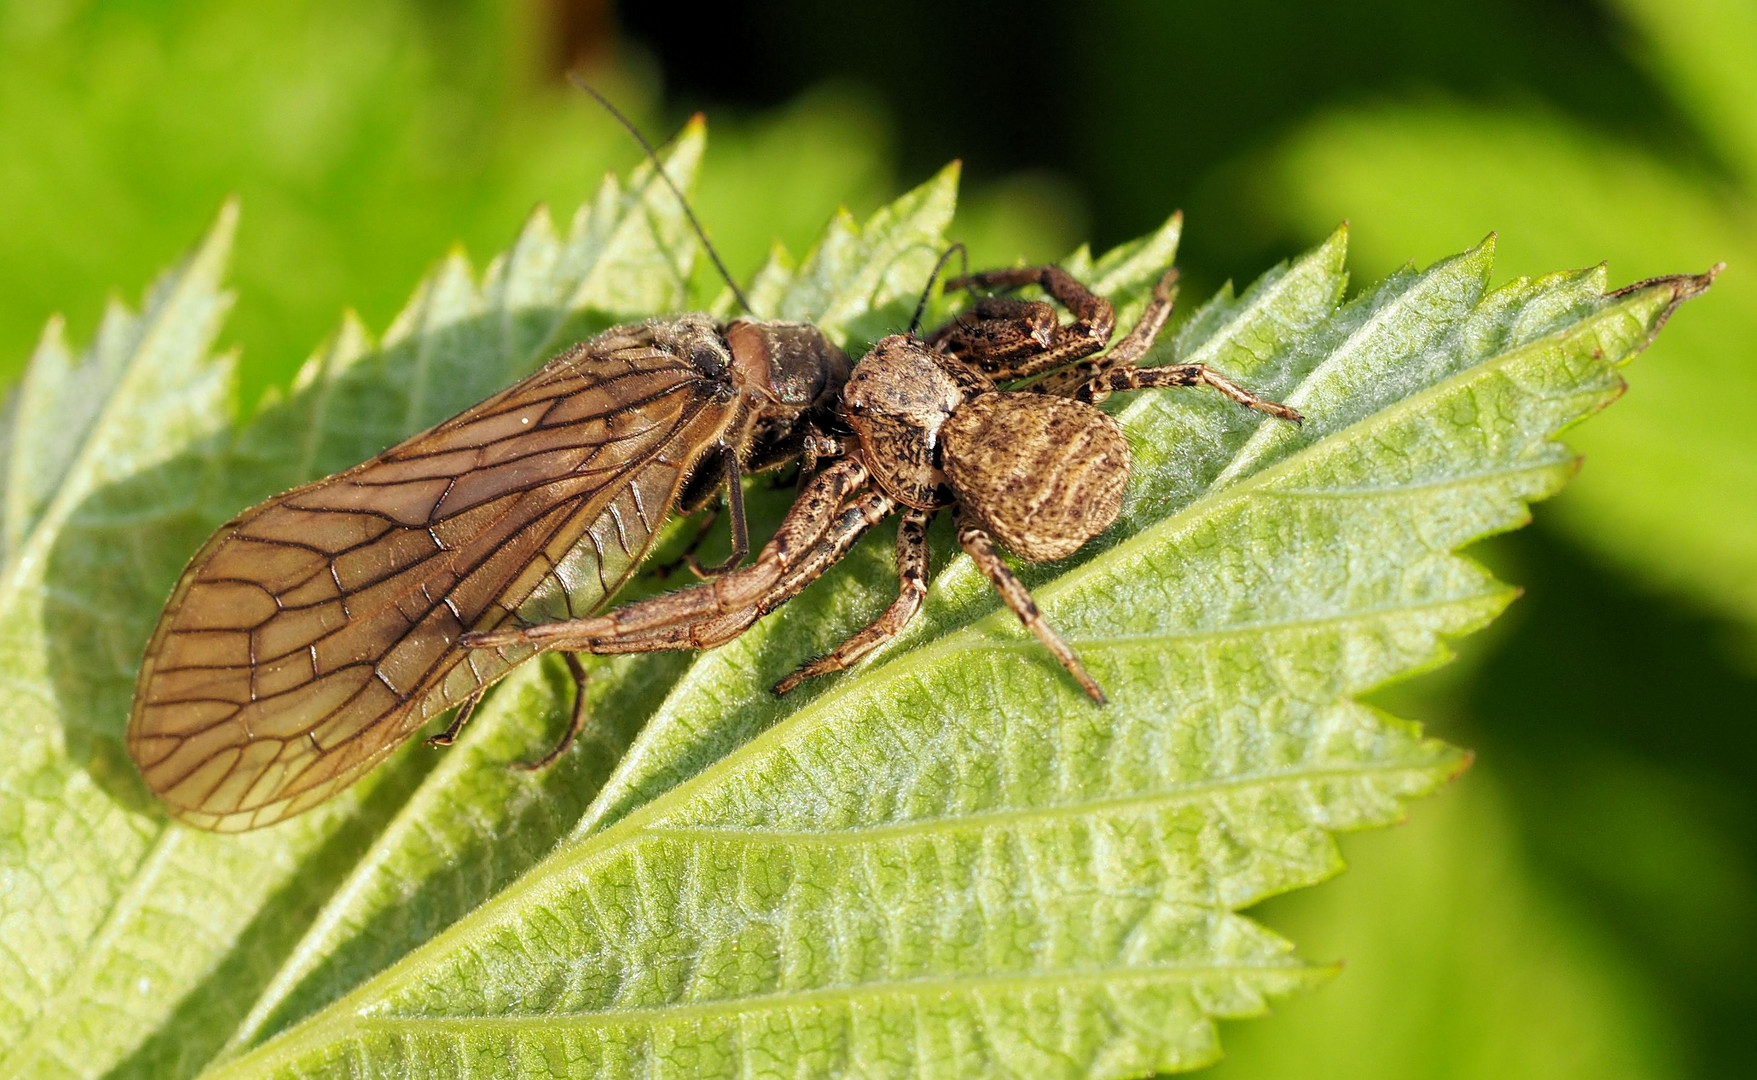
[1136, 802]
[790, 999]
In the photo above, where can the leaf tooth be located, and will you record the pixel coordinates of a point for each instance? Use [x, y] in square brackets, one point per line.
[1386, 349]
[1138, 262]
[524, 275]
[451, 299]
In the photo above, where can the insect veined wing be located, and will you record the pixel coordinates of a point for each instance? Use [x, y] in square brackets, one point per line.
[317, 631]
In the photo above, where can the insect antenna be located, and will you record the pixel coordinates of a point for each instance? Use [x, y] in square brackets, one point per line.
[927, 293]
[659, 167]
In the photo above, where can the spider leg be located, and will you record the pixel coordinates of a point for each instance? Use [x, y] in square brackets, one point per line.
[857, 516]
[911, 587]
[981, 548]
[1005, 354]
[1105, 383]
[812, 516]
[1130, 349]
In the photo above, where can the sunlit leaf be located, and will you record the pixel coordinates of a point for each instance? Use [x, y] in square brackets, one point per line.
[1670, 489]
[946, 862]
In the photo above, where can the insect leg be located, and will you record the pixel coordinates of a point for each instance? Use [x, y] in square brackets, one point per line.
[1104, 384]
[706, 525]
[857, 516]
[705, 634]
[1013, 591]
[1131, 348]
[911, 587]
[740, 526]
[575, 722]
[465, 710]
[812, 516]
[1085, 305]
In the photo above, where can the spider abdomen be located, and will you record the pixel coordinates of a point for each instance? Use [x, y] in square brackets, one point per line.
[1043, 474]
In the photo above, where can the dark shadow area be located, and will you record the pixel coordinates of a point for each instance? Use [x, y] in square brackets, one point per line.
[1627, 741]
[1137, 101]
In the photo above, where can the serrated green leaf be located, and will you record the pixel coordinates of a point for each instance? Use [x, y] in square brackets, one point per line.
[861, 282]
[943, 863]
[1671, 488]
[947, 863]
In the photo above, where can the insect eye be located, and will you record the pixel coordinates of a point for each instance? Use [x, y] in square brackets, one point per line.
[708, 361]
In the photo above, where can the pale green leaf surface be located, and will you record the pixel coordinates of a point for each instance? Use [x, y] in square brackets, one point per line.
[857, 279]
[947, 862]
[1670, 490]
[54, 409]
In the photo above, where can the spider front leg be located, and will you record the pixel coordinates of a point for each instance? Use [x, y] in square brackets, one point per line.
[859, 515]
[988, 344]
[911, 587]
[1130, 349]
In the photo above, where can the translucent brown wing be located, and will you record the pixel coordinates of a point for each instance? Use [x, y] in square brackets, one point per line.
[316, 632]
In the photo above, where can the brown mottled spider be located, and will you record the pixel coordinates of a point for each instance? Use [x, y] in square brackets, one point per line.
[1039, 470]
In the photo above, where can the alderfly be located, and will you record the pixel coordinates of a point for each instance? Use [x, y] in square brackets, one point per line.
[317, 631]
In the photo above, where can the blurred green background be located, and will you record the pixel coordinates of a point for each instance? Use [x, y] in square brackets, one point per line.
[1584, 901]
